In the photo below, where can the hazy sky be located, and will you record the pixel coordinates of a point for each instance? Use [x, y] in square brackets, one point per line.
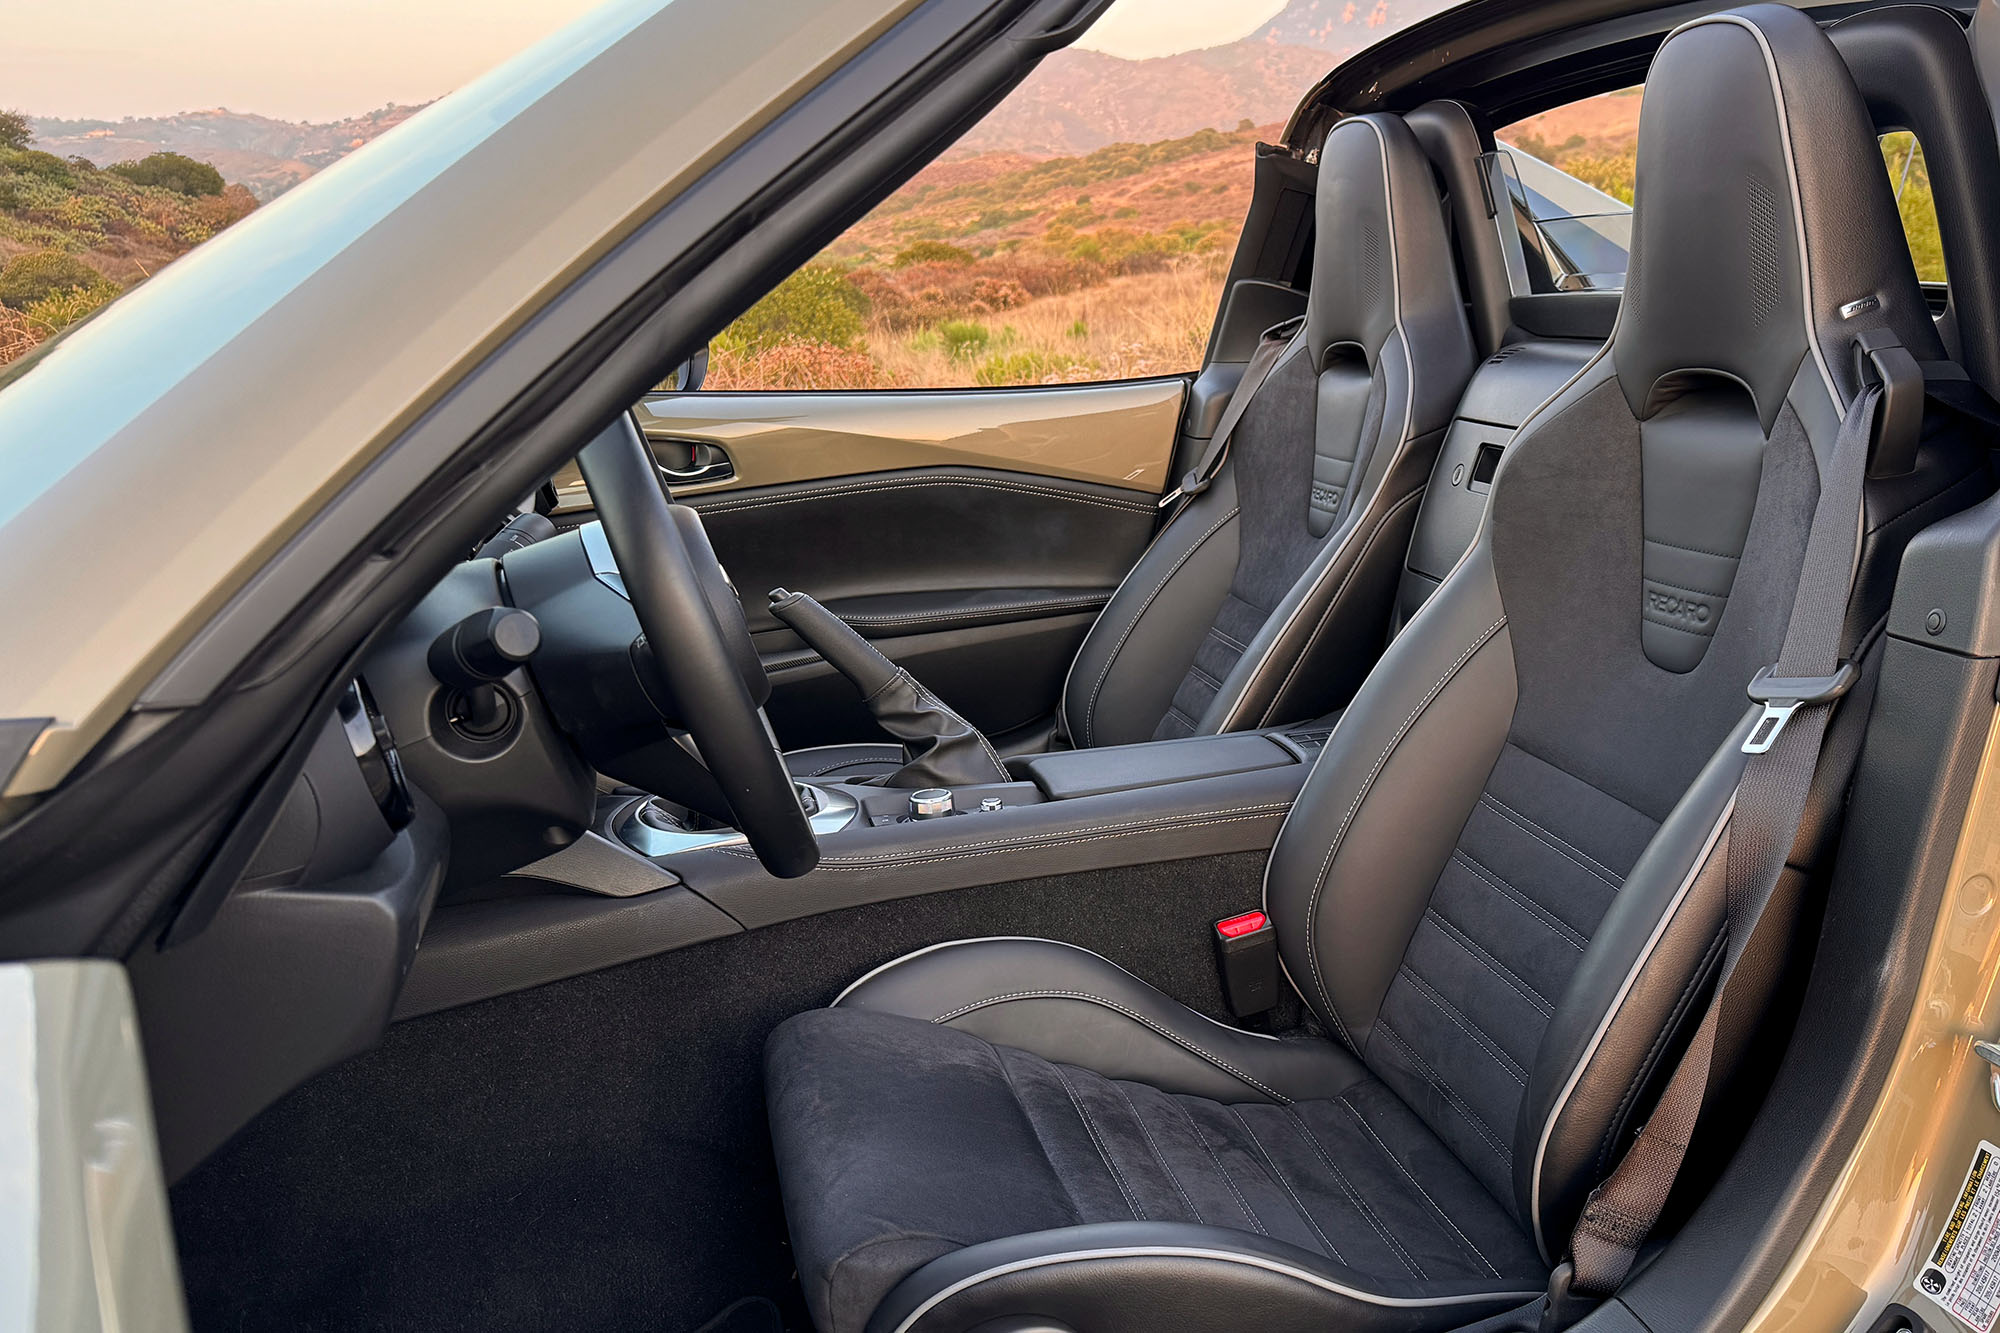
[326, 59]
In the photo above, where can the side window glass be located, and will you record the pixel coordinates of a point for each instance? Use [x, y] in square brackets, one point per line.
[1569, 173]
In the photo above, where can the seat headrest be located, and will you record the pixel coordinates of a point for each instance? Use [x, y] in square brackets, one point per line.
[1764, 231]
[1378, 240]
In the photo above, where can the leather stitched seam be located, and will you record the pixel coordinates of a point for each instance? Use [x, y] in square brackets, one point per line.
[1695, 550]
[1605, 872]
[1158, 1028]
[1097, 687]
[1270, 1164]
[1397, 1162]
[1053, 838]
[973, 613]
[1145, 1132]
[1461, 1020]
[1249, 1213]
[848, 762]
[1354, 1196]
[1097, 1142]
[1442, 1089]
[973, 483]
[1720, 594]
[1367, 783]
[1563, 930]
[1907, 510]
[1477, 952]
[1333, 604]
[1020, 1104]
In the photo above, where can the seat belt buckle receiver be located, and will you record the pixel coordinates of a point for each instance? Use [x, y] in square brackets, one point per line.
[1246, 954]
[1783, 696]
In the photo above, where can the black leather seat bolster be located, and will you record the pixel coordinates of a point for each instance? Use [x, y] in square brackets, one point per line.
[1125, 673]
[1138, 1277]
[1075, 1007]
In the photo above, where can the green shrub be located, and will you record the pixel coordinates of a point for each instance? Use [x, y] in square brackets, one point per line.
[59, 310]
[963, 339]
[933, 252]
[171, 171]
[34, 162]
[817, 304]
[16, 131]
[1026, 368]
[29, 278]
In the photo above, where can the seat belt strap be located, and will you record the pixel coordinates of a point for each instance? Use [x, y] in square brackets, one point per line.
[1783, 748]
[1199, 477]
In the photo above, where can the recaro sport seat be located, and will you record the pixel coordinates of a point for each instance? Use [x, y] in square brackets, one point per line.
[1500, 886]
[1267, 596]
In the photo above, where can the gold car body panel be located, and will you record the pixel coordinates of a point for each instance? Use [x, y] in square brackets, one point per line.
[155, 459]
[1869, 1241]
[1117, 434]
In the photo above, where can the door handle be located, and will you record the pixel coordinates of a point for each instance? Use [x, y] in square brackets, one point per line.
[692, 462]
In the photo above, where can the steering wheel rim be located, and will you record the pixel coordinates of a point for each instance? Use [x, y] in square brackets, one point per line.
[698, 661]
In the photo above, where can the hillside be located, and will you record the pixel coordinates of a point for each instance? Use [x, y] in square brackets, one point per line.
[265, 155]
[1000, 269]
[1077, 101]
[1342, 27]
[73, 237]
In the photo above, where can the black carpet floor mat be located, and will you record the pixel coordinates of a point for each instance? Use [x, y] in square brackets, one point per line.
[593, 1154]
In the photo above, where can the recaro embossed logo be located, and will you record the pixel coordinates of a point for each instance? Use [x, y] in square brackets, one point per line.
[1688, 609]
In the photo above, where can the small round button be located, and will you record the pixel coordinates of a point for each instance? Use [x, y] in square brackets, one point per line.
[930, 803]
[990, 804]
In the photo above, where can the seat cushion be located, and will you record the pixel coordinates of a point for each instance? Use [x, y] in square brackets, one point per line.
[901, 1141]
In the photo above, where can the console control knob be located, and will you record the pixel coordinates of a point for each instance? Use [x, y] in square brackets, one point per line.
[930, 803]
[991, 803]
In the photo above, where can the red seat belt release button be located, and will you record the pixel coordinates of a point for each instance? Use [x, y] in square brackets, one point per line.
[1246, 954]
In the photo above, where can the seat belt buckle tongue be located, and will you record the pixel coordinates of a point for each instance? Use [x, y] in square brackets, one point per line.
[1783, 696]
[1246, 954]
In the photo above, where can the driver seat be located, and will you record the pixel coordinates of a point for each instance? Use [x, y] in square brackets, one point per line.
[1265, 598]
[1498, 894]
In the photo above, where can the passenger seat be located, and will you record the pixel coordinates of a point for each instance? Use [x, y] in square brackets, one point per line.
[1266, 596]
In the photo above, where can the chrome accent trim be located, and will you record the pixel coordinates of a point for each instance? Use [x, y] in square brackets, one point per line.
[833, 810]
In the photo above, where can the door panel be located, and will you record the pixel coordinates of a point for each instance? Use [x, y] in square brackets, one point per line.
[1116, 434]
[981, 582]
[972, 534]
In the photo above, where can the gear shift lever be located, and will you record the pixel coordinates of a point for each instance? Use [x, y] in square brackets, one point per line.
[943, 748]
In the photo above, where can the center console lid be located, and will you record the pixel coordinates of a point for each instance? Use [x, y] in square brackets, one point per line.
[1069, 774]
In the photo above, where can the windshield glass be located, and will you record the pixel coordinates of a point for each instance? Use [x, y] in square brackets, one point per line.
[132, 134]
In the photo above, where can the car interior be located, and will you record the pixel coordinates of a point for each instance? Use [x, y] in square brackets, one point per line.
[1265, 848]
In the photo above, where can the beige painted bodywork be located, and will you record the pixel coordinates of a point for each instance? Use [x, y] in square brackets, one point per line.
[162, 453]
[85, 1243]
[1119, 434]
[1869, 1240]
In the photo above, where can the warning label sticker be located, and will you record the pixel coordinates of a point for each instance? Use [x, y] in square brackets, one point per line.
[1962, 1271]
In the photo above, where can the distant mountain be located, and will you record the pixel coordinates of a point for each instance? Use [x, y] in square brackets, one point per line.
[268, 156]
[1077, 101]
[1074, 103]
[1343, 27]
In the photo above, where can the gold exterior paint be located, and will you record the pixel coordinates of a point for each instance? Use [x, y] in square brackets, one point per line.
[158, 457]
[1870, 1238]
[1115, 434]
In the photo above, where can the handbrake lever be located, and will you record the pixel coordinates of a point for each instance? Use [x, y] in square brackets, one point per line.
[944, 750]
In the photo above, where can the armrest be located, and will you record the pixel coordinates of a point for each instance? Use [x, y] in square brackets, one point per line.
[1069, 774]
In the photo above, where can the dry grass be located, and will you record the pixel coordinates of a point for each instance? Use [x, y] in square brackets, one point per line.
[1125, 327]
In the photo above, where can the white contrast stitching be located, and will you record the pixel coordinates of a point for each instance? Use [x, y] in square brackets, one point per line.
[1097, 688]
[1367, 783]
[1133, 1014]
[1397, 1162]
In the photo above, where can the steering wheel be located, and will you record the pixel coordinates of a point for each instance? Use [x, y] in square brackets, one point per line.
[701, 644]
